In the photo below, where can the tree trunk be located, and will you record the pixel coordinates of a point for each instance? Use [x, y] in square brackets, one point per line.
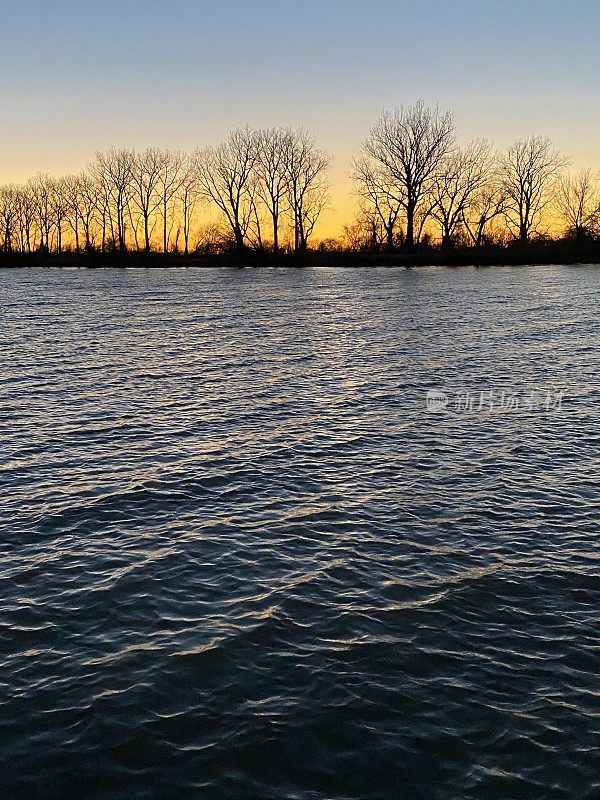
[389, 238]
[446, 240]
[523, 234]
[410, 225]
[165, 242]
[239, 239]
[146, 233]
[275, 234]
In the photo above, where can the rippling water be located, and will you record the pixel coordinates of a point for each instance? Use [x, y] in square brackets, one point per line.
[239, 559]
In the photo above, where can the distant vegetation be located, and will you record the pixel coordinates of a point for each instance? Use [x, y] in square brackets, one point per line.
[417, 191]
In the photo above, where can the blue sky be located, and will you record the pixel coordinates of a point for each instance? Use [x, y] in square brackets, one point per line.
[78, 76]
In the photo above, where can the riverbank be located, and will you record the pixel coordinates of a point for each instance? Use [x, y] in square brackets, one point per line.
[547, 253]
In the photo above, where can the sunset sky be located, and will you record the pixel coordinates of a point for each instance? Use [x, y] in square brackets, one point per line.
[83, 76]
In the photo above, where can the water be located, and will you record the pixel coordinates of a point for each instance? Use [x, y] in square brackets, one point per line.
[239, 559]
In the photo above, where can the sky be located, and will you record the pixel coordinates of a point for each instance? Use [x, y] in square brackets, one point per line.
[82, 76]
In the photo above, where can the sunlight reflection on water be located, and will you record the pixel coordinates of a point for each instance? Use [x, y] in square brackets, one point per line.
[240, 558]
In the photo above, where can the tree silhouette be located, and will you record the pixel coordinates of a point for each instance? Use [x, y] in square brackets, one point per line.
[462, 172]
[528, 173]
[226, 176]
[408, 145]
[413, 183]
[113, 170]
[307, 185]
[379, 193]
[578, 201]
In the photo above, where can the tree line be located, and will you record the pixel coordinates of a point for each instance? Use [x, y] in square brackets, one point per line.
[265, 184]
[414, 184]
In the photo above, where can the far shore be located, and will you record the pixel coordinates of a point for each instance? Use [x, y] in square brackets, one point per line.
[533, 254]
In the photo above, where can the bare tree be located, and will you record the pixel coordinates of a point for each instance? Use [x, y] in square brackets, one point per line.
[460, 174]
[307, 185]
[273, 145]
[71, 186]
[26, 214]
[225, 176]
[89, 203]
[487, 203]
[113, 170]
[171, 175]
[408, 144]
[578, 202]
[102, 200]
[529, 170]
[188, 197]
[9, 211]
[145, 178]
[374, 188]
[60, 209]
[41, 190]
